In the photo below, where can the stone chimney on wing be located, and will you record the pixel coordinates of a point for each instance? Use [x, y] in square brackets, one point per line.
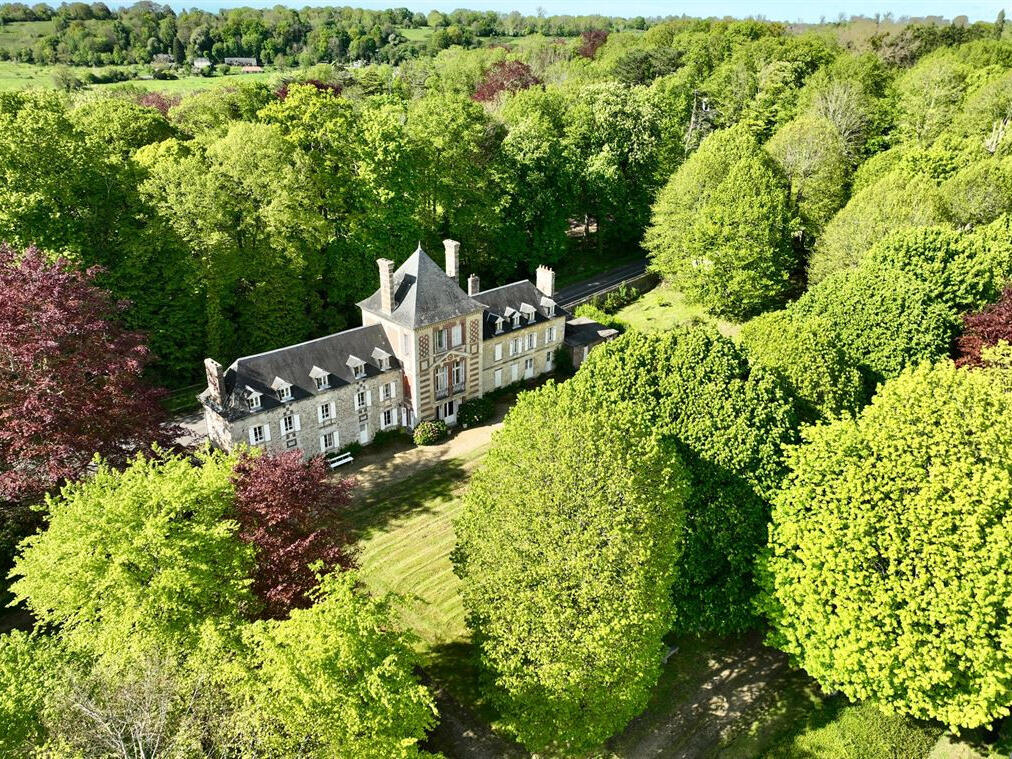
[452, 258]
[215, 381]
[546, 281]
[386, 271]
[473, 286]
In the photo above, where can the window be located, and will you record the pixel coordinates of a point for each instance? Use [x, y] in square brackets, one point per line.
[325, 414]
[530, 316]
[388, 418]
[551, 308]
[322, 383]
[257, 434]
[441, 339]
[285, 393]
[532, 340]
[359, 371]
[458, 375]
[516, 320]
[384, 363]
[516, 346]
[529, 368]
[457, 335]
[549, 358]
[550, 335]
[442, 379]
[406, 345]
[498, 351]
[498, 377]
[287, 424]
[388, 391]
[514, 372]
[498, 325]
[361, 400]
[253, 402]
[328, 441]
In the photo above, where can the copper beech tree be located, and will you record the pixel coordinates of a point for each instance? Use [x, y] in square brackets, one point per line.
[985, 329]
[70, 379]
[285, 507]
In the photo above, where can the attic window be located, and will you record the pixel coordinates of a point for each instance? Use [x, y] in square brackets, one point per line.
[357, 366]
[516, 320]
[384, 362]
[322, 383]
[285, 393]
[253, 401]
[498, 325]
[321, 377]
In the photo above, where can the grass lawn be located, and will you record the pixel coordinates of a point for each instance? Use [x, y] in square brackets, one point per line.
[664, 307]
[21, 76]
[419, 34]
[21, 34]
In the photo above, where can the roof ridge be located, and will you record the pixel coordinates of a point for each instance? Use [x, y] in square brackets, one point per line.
[510, 284]
[304, 342]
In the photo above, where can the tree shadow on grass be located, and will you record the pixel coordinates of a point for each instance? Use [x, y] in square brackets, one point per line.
[423, 492]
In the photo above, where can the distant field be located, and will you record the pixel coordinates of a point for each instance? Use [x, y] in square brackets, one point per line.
[21, 76]
[417, 35]
[21, 34]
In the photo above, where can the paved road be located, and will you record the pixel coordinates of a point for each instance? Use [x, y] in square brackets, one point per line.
[582, 290]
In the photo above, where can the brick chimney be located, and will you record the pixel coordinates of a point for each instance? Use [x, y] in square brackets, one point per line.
[473, 287]
[386, 267]
[215, 381]
[452, 258]
[546, 281]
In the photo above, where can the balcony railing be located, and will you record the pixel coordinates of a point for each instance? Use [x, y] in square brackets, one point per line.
[442, 393]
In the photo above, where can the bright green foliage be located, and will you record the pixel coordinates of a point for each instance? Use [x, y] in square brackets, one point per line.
[334, 680]
[890, 544]
[883, 318]
[958, 268]
[894, 201]
[149, 550]
[120, 124]
[29, 669]
[980, 193]
[720, 228]
[813, 156]
[566, 549]
[731, 425]
[929, 96]
[430, 432]
[806, 356]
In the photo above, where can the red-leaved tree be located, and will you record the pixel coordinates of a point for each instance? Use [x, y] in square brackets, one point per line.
[159, 101]
[504, 76]
[287, 508]
[985, 329]
[592, 40]
[70, 378]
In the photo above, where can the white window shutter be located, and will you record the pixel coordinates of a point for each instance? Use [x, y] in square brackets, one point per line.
[333, 409]
[251, 435]
[298, 422]
[267, 433]
[368, 398]
[323, 446]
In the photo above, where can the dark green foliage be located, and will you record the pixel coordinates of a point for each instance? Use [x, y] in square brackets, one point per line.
[430, 433]
[475, 411]
[562, 360]
[731, 425]
[883, 318]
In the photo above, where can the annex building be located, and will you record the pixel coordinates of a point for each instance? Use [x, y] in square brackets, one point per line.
[424, 347]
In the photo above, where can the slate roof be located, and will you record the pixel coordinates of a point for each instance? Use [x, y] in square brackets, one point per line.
[423, 294]
[294, 363]
[506, 300]
[583, 331]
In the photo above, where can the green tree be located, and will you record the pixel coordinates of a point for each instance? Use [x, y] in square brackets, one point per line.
[887, 567]
[929, 96]
[120, 124]
[979, 193]
[896, 200]
[731, 425]
[721, 227]
[805, 355]
[149, 550]
[566, 548]
[813, 156]
[883, 318]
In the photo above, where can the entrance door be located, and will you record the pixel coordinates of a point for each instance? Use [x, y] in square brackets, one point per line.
[363, 432]
[450, 412]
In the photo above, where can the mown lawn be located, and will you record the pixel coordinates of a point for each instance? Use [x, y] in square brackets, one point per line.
[21, 76]
[665, 307]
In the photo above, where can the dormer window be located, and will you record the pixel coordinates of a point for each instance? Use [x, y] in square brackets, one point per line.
[382, 358]
[321, 377]
[528, 309]
[252, 399]
[285, 393]
[498, 324]
[384, 362]
[357, 367]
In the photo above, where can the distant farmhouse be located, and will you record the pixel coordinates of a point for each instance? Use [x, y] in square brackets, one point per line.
[424, 347]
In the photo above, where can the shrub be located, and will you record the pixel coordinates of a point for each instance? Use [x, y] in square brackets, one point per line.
[887, 577]
[590, 311]
[475, 411]
[430, 433]
[983, 330]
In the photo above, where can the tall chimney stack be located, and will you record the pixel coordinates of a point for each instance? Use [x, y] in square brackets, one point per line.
[215, 381]
[546, 281]
[452, 258]
[386, 268]
[473, 287]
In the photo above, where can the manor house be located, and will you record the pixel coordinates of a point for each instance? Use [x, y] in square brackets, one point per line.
[424, 347]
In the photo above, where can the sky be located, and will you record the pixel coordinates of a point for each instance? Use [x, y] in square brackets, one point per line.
[774, 10]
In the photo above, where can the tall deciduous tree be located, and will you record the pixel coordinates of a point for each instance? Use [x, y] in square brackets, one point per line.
[721, 227]
[287, 509]
[566, 548]
[889, 549]
[70, 379]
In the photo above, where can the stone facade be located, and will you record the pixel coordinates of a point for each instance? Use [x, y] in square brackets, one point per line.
[521, 354]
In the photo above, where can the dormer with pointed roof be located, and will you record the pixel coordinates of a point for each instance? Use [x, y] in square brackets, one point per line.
[423, 294]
